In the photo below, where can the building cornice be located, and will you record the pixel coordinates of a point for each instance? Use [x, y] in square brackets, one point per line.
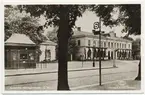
[103, 37]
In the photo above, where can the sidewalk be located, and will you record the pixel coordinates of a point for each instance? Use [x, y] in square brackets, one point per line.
[21, 72]
[129, 84]
[72, 66]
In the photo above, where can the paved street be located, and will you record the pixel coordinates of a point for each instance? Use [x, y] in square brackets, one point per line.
[77, 79]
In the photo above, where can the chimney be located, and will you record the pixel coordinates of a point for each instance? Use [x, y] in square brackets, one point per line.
[112, 34]
[79, 28]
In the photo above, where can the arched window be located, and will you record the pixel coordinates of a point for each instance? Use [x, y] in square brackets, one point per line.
[47, 55]
[95, 53]
[109, 44]
[89, 53]
[108, 54]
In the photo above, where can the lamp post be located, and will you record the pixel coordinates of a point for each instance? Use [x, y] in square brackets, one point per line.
[97, 25]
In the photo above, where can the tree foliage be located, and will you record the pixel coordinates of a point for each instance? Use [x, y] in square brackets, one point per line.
[23, 23]
[52, 13]
[129, 16]
[136, 48]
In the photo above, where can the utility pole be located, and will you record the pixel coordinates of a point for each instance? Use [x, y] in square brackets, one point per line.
[93, 53]
[93, 57]
[97, 25]
[100, 82]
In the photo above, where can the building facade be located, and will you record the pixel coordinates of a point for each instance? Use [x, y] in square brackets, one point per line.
[48, 51]
[112, 47]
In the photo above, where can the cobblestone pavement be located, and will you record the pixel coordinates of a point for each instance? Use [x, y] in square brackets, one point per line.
[77, 80]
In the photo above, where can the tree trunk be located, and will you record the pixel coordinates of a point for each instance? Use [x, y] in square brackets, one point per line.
[139, 72]
[63, 33]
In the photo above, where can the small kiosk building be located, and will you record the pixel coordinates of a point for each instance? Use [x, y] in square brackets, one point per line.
[20, 52]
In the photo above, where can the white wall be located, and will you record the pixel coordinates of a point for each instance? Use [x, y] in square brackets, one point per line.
[52, 50]
[84, 42]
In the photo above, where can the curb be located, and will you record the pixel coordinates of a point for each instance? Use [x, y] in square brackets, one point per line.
[92, 85]
[71, 70]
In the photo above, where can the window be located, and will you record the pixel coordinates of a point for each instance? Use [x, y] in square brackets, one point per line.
[79, 42]
[14, 55]
[101, 44]
[125, 45]
[31, 56]
[120, 45]
[112, 45]
[104, 44]
[23, 56]
[117, 45]
[94, 43]
[89, 42]
[108, 44]
[129, 46]
[47, 55]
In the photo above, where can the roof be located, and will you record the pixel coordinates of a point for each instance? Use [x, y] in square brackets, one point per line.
[48, 42]
[19, 40]
[79, 34]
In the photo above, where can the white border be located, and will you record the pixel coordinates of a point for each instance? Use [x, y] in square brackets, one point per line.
[15, 2]
[2, 46]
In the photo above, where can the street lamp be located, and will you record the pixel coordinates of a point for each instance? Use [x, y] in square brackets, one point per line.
[97, 25]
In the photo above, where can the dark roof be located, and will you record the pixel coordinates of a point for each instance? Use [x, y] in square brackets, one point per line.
[19, 40]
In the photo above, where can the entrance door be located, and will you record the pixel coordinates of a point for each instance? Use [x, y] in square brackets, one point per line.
[7, 59]
[108, 54]
[111, 54]
[14, 59]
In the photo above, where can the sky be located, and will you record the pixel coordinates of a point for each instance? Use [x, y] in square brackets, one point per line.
[86, 23]
[87, 20]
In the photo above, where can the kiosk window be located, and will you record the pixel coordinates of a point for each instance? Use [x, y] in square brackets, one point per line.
[23, 56]
[31, 56]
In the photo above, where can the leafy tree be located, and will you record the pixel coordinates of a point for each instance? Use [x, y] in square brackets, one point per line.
[23, 23]
[52, 35]
[63, 16]
[136, 49]
[72, 47]
[129, 15]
